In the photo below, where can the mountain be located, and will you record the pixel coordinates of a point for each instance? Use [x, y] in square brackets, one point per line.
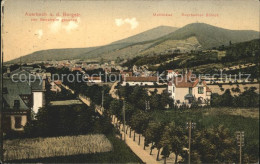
[148, 35]
[154, 41]
[210, 36]
[195, 36]
[52, 54]
[95, 52]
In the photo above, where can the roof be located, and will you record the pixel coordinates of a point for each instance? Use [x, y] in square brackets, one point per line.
[142, 79]
[19, 87]
[37, 85]
[130, 73]
[66, 102]
[186, 81]
[58, 82]
[23, 74]
[94, 78]
[14, 90]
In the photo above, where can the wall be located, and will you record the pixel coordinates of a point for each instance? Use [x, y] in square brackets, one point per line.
[37, 101]
[180, 93]
[23, 122]
[138, 83]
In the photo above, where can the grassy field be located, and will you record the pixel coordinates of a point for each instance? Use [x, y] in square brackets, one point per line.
[55, 146]
[235, 119]
[120, 153]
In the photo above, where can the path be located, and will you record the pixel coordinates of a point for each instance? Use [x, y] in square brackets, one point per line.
[144, 155]
[112, 91]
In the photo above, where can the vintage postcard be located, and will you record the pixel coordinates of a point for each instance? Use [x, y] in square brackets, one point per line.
[119, 81]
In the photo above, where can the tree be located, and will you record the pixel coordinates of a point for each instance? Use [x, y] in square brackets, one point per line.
[115, 108]
[173, 139]
[165, 142]
[138, 97]
[248, 98]
[151, 134]
[214, 145]
[139, 122]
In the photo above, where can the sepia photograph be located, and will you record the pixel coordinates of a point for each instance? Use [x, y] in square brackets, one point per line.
[120, 81]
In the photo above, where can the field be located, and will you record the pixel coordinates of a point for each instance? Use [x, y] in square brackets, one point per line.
[120, 153]
[216, 88]
[55, 146]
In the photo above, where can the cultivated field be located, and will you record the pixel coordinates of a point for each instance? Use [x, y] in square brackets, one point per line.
[55, 146]
[216, 88]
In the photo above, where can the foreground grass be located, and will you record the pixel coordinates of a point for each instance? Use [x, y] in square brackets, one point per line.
[120, 153]
[55, 146]
[234, 119]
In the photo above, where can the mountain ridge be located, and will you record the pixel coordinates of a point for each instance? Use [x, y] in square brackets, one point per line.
[208, 36]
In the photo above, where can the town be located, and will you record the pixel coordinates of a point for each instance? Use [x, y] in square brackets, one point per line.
[153, 82]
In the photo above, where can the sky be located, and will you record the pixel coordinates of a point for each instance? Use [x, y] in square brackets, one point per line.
[94, 23]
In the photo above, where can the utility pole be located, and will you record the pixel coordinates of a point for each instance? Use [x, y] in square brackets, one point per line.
[190, 125]
[1, 88]
[240, 135]
[147, 105]
[124, 118]
[102, 103]
[189, 139]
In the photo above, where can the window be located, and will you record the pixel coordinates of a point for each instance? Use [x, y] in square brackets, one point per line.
[190, 90]
[5, 90]
[200, 90]
[16, 104]
[18, 122]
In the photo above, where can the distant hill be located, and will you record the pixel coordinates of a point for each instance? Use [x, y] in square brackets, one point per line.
[52, 54]
[148, 35]
[210, 36]
[95, 52]
[194, 36]
[156, 40]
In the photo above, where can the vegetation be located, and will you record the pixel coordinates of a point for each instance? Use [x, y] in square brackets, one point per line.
[120, 153]
[209, 62]
[248, 98]
[165, 129]
[209, 121]
[36, 148]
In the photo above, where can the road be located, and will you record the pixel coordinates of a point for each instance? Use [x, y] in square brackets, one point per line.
[112, 91]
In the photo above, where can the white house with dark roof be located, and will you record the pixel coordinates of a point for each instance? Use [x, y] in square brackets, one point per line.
[184, 89]
[139, 80]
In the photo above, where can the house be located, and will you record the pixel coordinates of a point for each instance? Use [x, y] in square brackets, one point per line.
[138, 80]
[186, 88]
[95, 79]
[36, 83]
[17, 105]
[171, 74]
[76, 69]
[55, 86]
[125, 74]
